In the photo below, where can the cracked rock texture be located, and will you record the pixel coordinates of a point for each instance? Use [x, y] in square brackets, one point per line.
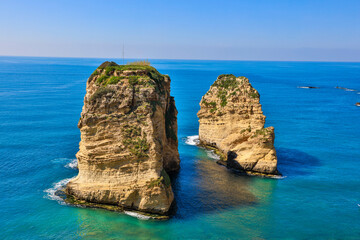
[128, 141]
[232, 122]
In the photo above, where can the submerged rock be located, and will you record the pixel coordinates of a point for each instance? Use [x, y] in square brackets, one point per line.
[308, 87]
[346, 89]
[128, 141]
[232, 123]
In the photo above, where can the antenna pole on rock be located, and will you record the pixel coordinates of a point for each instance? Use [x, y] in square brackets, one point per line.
[123, 54]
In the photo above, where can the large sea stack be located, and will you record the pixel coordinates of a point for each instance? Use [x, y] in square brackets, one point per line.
[232, 123]
[128, 141]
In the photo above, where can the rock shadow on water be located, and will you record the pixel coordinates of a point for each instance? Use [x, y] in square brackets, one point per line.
[205, 187]
[294, 162]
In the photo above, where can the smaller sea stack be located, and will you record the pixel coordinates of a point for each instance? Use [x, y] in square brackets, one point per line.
[232, 123]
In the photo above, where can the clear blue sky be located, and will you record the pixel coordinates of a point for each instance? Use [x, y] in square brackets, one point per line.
[310, 30]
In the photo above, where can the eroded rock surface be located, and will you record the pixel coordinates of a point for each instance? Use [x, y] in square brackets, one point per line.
[129, 140]
[232, 122]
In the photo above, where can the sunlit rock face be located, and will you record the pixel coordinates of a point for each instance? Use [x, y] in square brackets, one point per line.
[128, 141]
[231, 120]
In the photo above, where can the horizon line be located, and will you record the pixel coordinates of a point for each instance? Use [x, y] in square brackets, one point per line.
[187, 59]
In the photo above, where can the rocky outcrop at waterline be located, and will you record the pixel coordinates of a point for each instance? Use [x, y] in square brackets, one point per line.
[346, 89]
[128, 141]
[232, 123]
[308, 87]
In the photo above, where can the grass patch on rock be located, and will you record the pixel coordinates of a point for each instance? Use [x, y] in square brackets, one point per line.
[100, 92]
[143, 74]
[163, 179]
[226, 81]
[137, 146]
[264, 132]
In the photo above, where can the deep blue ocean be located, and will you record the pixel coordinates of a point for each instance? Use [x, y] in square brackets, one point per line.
[317, 142]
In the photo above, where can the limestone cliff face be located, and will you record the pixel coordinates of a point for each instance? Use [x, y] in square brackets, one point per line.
[231, 120]
[128, 139]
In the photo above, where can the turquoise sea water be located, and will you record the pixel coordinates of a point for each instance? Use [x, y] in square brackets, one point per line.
[317, 141]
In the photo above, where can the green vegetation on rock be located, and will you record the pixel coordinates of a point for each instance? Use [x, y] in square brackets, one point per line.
[156, 182]
[211, 104]
[163, 179]
[95, 73]
[254, 94]
[138, 74]
[131, 131]
[226, 84]
[143, 74]
[100, 92]
[248, 129]
[264, 132]
[114, 80]
[137, 145]
[227, 81]
[222, 95]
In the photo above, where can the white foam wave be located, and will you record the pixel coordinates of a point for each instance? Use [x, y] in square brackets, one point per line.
[66, 162]
[137, 215]
[192, 140]
[278, 177]
[50, 193]
[73, 164]
[212, 155]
